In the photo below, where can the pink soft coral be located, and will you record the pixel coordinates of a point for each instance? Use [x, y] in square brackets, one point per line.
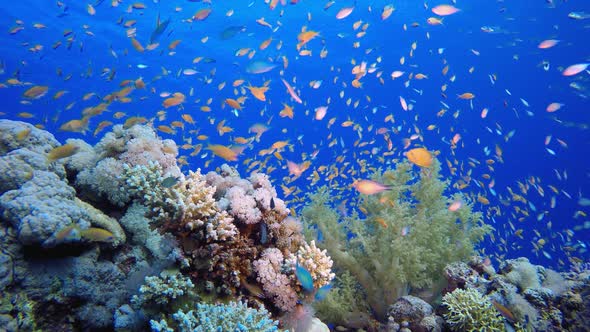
[141, 150]
[275, 284]
[243, 206]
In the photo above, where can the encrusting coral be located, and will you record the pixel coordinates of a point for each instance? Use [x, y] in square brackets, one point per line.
[405, 239]
[46, 205]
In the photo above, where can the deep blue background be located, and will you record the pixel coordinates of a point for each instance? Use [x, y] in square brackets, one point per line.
[510, 53]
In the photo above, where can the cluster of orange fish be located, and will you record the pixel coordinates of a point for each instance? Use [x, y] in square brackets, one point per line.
[355, 150]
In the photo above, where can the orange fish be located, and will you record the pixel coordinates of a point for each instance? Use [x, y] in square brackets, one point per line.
[101, 126]
[545, 44]
[233, 104]
[305, 36]
[287, 111]
[553, 107]
[420, 157]
[176, 99]
[202, 14]
[36, 92]
[575, 69]
[137, 45]
[188, 118]
[369, 187]
[173, 44]
[344, 13]
[387, 10]
[445, 10]
[257, 92]
[466, 95]
[223, 152]
[456, 205]
[76, 126]
[60, 152]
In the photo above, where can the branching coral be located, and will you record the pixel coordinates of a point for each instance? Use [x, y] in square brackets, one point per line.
[405, 239]
[314, 260]
[468, 310]
[221, 228]
[144, 184]
[163, 289]
[235, 316]
[197, 199]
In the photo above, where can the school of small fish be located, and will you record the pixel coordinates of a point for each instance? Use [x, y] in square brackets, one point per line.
[342, 104]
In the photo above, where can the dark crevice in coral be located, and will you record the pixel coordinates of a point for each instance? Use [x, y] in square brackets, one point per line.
[38, 253]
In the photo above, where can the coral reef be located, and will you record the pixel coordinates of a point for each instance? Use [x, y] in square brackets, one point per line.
[234, 316]
[135, 146]
[246, 200]
[344, 305]
[163, 289]
[224, 234]
[162, 247]
[404, 238]
[315, 261]
[143, 184]
[199, 205]
[468, 310]
[274, 282]
[528, 296]
[21, 135]
[413, 313]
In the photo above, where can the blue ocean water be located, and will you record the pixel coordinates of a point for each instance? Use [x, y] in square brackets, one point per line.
[490, 47]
